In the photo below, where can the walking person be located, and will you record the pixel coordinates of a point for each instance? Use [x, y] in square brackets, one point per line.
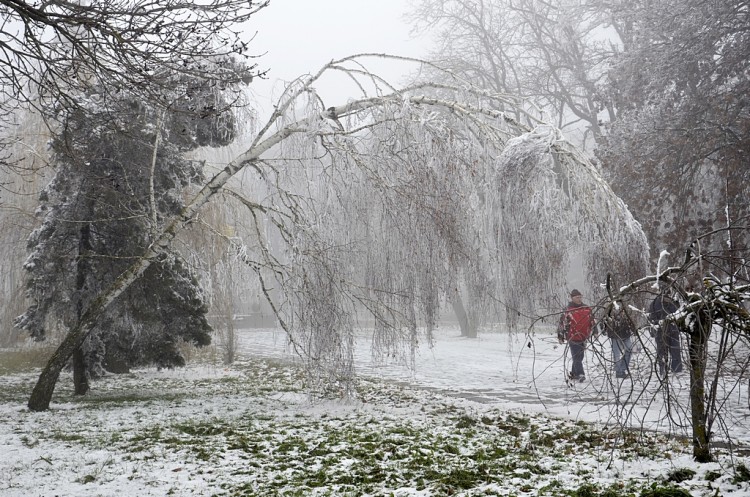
[619, 329]
[666, 333]
[575, 327]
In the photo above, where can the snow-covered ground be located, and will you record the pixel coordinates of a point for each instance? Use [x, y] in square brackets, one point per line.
[527, 372]
[249, 428]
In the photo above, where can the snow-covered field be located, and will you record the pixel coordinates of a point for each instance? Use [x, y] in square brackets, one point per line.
[486, 416]
[527, 373]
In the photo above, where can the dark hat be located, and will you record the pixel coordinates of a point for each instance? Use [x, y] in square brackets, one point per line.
[575, 293]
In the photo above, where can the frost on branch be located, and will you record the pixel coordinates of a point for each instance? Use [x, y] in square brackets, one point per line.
[551, 203]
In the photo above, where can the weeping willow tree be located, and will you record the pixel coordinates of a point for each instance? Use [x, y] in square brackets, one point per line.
[373, 208]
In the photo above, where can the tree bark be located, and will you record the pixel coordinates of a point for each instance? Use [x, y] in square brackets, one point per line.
[80, 378]
[697, 343]
[41, 395]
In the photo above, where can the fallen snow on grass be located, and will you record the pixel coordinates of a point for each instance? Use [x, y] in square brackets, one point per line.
[444, 428]
[528, 373]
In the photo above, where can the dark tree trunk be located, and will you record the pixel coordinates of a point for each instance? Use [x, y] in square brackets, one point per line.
[697, 343]
[80, 378]
[45, 385]
[467, 324]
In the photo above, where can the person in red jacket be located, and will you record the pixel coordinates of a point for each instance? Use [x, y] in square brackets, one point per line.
[575, 326]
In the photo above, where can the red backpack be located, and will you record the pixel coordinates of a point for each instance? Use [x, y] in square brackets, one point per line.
[579, 323]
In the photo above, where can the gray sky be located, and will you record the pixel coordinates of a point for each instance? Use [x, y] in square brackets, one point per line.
[300, 36]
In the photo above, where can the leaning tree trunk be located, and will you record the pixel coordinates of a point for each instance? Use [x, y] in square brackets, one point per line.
[45, 386]
[697, 349]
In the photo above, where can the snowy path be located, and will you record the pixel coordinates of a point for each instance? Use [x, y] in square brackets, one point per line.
[527, 373]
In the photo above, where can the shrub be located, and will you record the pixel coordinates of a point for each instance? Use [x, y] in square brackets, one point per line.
[656, 491]
[680, 475]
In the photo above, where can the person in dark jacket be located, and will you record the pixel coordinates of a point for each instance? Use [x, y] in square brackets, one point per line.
[666, 333]
[575, 327]
[619, 328]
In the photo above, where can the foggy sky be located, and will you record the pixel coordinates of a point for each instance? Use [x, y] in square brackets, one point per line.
[299, 36]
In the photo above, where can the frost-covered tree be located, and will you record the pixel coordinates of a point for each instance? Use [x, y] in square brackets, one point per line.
[553, 53]
[451, 178]
[661, 88]
[215, 246]
[19, 190]
[552, 56]
[119, 45]
[120, 172]
[51, 52]
[678, 154]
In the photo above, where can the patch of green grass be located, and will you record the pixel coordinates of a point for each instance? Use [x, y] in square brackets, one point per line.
[680, 475]
[554, 487]
[68, 437]
[712, 475]
[465, 422]
[87, 479]
[618, 489]
[202, 429]
[585, 490]
[741, 474]
[151, 434]
[109, 400]
[462, 478]
[670, 491]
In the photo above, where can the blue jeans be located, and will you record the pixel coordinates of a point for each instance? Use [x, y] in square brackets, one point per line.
[622, 348]
[576, 354]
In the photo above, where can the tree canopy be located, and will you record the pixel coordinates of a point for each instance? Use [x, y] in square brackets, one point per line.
[646, 87]
[683, 89]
